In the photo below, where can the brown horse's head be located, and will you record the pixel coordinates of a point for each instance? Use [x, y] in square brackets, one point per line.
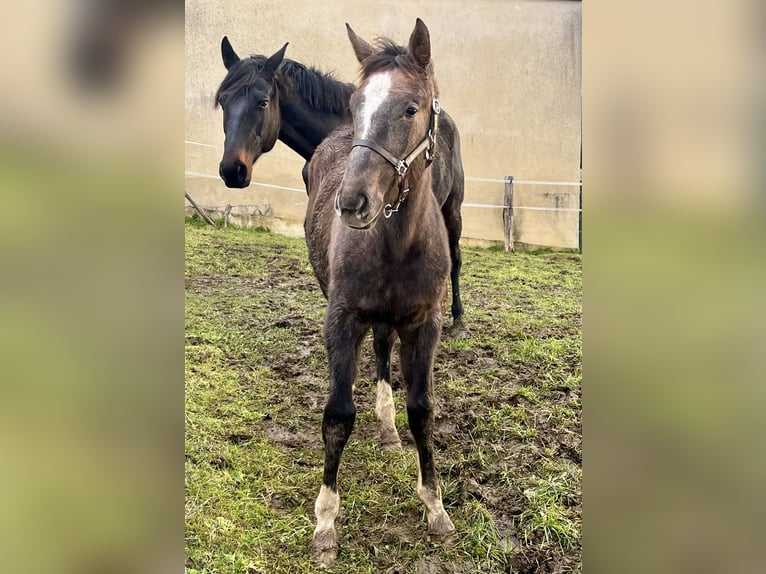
[251, 120]
[393, 110]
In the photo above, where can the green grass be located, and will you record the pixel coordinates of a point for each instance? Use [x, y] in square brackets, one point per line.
[508, 429]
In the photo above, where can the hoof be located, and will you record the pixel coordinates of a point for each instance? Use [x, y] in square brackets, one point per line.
[391, 447]
[324, 548]
[456, 331]
[389, 442]
[442, 529]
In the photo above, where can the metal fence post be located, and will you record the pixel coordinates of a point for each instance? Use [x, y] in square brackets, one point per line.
[579, 219]
[508, 213]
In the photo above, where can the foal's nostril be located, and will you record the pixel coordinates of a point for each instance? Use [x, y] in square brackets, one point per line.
[363, 207]
[354, 209]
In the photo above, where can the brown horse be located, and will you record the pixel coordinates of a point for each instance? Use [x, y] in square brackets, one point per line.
[379, 247]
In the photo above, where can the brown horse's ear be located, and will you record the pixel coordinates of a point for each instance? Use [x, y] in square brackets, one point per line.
[273, 63]
[361, 48]
[229, 55]
[420, 44]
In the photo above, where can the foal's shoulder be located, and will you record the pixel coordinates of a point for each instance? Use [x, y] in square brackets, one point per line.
[328, 162]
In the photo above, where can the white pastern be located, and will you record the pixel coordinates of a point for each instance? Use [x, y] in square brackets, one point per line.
[326, 508]
[375, 93]
[384, 404]
[386, 415]
[438, 520]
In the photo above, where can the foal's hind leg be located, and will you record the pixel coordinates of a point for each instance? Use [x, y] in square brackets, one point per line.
[383, 341]
[454, 223]
[417, 353]
[343, 337]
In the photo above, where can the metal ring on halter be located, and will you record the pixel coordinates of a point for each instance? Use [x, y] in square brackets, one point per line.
[389, 210]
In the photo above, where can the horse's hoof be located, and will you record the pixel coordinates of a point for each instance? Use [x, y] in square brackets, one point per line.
[324, 548]
[456, 331]
[324, 558]
[389, 442]
[391, 446]
[442, 530]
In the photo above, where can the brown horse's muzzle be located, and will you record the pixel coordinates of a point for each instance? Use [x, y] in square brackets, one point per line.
[235, 170]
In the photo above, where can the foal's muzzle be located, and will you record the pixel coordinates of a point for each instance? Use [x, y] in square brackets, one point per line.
[355, 212]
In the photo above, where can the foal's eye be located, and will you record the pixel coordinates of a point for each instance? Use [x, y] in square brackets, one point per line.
[263, 104]
[411, 111]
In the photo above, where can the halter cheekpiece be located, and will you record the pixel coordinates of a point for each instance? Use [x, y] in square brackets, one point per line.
[402, 166]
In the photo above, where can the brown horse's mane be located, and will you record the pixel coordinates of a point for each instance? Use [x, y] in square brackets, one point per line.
[320, 89]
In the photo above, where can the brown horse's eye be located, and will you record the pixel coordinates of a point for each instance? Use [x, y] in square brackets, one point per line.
[263, 104]
[411, 111]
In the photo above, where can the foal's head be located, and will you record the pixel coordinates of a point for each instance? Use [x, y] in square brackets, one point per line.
[393, 111]
[250, 102]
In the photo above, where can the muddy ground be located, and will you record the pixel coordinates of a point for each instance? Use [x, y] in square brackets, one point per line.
[508, 433]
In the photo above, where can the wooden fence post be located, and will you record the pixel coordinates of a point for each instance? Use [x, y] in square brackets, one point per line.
[508, 213]
[226, 213]
[199, 210]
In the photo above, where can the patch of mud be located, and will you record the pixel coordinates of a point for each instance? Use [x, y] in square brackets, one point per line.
[239, 438]
[434, 565]
[290, 439]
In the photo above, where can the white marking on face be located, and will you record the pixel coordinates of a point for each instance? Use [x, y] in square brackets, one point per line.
[375, 93]
[326, 508]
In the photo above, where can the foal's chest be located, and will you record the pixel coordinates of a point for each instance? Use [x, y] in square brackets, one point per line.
[391, 287]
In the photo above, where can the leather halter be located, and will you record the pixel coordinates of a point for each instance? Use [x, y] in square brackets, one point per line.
[402, 166]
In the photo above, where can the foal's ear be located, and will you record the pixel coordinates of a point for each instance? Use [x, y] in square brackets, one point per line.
[361, 48]
[273, 63]
[420, 44]
[229, 55]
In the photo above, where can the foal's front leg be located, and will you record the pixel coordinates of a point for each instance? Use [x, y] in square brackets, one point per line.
[417, 354]
[343, 337]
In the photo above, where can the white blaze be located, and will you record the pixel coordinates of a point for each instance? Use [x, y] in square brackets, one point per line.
[375, 93]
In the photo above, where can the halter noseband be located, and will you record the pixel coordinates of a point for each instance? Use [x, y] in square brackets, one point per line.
[402, 166]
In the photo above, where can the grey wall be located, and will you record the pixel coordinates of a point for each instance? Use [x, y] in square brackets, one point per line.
[509, 74]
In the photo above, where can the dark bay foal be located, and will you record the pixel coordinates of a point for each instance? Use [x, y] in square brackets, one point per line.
[379, 247]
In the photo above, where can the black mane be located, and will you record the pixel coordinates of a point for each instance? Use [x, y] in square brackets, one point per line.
[320, 89]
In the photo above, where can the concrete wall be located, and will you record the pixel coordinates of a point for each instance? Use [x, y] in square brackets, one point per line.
[509, 74]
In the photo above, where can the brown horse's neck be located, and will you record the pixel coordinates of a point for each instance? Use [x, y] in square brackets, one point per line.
[308, 116]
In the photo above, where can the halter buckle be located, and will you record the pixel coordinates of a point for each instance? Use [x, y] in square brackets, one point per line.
[430, 155]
